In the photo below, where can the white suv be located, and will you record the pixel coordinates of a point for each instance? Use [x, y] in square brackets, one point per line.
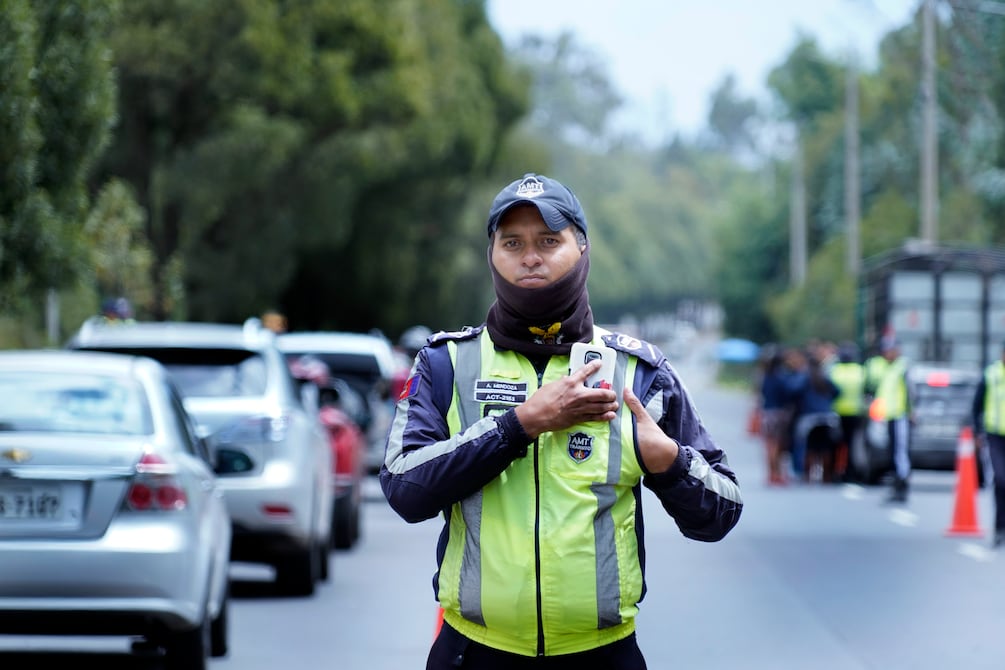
[239, 391]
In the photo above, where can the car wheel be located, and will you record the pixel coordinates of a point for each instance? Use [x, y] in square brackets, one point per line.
[187, 649]
[863, 461]
[219, 629]
[296, 573]
[346, 527]
[324, 559]
[355, 523]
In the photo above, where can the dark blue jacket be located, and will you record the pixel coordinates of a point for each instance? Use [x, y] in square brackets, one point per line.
[454, 467]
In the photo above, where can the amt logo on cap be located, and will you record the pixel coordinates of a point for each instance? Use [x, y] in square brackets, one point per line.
[530, 187]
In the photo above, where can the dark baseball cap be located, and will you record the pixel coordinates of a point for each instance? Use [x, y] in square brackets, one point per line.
[558, 205]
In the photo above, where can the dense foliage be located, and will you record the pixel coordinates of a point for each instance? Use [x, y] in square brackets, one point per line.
[57, 106]
[212, 160]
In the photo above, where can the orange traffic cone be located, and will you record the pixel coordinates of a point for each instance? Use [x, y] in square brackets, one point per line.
[965, 509]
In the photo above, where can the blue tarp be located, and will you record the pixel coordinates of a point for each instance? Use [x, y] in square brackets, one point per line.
[735, 350]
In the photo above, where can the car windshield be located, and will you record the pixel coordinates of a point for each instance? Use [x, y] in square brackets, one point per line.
[208, 373]
[218, 373]
[361, 371]
[54, 402]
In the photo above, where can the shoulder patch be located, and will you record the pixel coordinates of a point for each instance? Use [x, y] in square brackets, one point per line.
[636, 347]
[466, 333]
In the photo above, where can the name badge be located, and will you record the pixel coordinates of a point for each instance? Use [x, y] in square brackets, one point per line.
[490, 390]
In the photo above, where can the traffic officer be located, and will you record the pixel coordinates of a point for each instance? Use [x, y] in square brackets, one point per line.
[849, 376]
[893, 404]
[989, 421]
[538, 476]
[873, 369]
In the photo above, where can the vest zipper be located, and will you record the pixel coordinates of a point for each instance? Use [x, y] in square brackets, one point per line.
[537, 535]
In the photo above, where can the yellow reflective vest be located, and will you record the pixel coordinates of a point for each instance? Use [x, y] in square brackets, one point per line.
[891, 394]
[994, 398]
[850, 380]
[875, 367]
[520, 539]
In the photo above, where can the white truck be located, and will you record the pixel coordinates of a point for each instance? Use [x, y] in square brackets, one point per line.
[946, 307]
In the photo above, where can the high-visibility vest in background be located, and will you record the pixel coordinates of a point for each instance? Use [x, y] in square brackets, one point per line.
[850, 380]
[892, 390]
[875, 366]
[994, 398]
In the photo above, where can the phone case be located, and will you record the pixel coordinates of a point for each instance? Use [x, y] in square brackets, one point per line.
[582, 353]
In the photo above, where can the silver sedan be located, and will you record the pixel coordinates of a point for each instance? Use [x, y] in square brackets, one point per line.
[111, 521]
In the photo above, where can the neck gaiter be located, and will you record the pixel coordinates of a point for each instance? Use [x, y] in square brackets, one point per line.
[542, 321]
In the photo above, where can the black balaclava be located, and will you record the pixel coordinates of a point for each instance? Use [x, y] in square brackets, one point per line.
[542, 321]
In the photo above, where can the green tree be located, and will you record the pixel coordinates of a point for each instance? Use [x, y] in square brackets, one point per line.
[573, 96]
[55, 115]
[120, 257]
[731, 118]
[331, 145]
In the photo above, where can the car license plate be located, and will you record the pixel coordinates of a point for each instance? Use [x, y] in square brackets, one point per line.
[938, 430]
[31, 502]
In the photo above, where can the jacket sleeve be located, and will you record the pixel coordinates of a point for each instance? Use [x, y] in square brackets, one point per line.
[699, 490]
[426, 469]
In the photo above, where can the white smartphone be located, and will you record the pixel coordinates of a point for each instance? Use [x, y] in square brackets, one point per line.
[583, 353]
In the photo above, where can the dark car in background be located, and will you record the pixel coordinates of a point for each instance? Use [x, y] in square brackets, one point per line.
[941, 402]
[367, 362]
[340, 409]
[238, 388]
[112, 520]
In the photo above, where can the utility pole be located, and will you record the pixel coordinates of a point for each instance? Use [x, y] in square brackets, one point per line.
[929, 141]
[797, 220]
[852, 184]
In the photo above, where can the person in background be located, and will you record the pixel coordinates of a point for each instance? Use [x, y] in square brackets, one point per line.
[274, 321]
[817, 426]
[538, 477]
[776, 415]
[796, 373]
[117, 310]
[873, 369]
[989, 425]
[893, 404]
[849, 377]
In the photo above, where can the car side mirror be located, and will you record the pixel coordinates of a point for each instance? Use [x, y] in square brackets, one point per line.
[232, 461]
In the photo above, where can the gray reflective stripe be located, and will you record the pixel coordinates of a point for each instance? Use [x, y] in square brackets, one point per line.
[608, 572]
[396, 436]
[721, 485]
[614, 458]
[467, 370]
[655, 407]
[398, 462]
[470, 589]
[608, 585]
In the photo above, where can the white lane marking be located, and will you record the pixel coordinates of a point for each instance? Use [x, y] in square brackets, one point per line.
[902, 517]
[977, 552]
[853, 492]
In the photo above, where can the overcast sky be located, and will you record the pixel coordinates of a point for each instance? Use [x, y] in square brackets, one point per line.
[666, 56]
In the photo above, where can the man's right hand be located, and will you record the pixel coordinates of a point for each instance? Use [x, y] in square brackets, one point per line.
[566, 402]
